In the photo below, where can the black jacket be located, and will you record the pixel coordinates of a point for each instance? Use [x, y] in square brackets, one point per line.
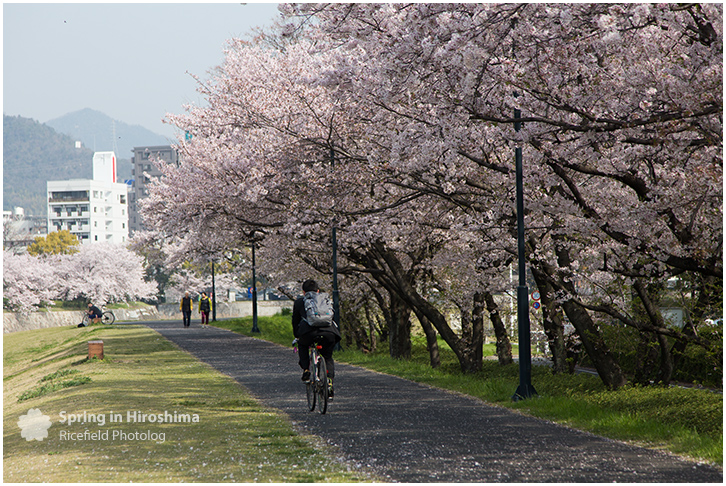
[300, 326]
[186, 304]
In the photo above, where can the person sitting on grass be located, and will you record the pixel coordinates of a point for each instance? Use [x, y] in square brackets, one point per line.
[94, 313]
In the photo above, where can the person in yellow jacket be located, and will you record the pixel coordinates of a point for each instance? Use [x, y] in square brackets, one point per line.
[205, 308]
[186, 306]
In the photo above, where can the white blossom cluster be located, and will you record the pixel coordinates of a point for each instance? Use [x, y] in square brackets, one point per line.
[101, 273]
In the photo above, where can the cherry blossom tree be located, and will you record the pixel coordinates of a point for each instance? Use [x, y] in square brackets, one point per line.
[613, 142]
[317, 137]
[101, 273]
[28, 281]
[394, 123]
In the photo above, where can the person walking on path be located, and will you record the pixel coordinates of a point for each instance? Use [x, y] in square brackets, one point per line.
[186, 306]
[205, 308]
[306, 335]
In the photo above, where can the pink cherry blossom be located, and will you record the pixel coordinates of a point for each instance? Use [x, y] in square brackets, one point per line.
[394, 123]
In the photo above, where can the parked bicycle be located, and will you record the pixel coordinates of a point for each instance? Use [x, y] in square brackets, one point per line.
[316, 388]
[107, 318]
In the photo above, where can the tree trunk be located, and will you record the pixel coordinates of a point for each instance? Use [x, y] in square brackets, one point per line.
[666, 361]
[371, 328]
[467, 329]
[385, 267]
[399, 329]
[552, 322]
[432, 343]
[463, 350]
[607, 367]
[476, 341]
[649, 298]
[646, 358]
[352, 329]
[605, 363]
[504, 346]
[383, 306]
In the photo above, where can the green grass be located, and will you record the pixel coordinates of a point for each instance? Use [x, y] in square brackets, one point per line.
[52, 384]
[59, 374]
[236, 438]
[687, 422]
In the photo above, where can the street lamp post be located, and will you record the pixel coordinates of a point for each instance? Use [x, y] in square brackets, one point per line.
[336, 296]
[525, 389]
[254, 291]
[334, 243]
[214, 296]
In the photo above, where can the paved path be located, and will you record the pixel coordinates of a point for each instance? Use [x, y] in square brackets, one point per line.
[406, 432]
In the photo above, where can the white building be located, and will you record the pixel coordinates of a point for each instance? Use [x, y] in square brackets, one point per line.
[93, 210]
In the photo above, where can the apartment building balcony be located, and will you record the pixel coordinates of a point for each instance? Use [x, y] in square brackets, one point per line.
[69, 196]
[71, 215]
[53, 200]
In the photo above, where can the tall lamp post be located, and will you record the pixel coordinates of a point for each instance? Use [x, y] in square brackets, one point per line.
[254, 289]
[336, 296]
[334, 242]
[525, 389]
[214, 296]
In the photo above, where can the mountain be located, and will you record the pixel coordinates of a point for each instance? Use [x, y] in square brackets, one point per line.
[33, 154]
[96, 130]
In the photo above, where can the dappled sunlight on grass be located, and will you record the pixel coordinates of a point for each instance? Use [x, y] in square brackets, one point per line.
[235, 438]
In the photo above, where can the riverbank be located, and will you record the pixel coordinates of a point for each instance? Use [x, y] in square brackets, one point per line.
[13, 322]
[148, 412]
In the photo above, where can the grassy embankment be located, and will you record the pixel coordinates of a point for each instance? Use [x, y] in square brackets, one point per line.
[236, 439]
[687, 422]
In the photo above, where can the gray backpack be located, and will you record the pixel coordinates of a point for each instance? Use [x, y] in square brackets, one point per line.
[318, 309]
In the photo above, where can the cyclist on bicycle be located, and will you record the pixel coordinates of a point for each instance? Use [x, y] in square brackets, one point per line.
[307, 334]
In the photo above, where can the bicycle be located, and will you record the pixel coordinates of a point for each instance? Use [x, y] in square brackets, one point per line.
[317, 387]
[107, 318]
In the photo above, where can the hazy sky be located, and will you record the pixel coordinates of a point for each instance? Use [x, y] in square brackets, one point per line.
[127, 60]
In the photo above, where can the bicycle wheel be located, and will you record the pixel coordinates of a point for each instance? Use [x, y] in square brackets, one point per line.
[86, 320]
[108, 317]
[322, 384]
[310, 385]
